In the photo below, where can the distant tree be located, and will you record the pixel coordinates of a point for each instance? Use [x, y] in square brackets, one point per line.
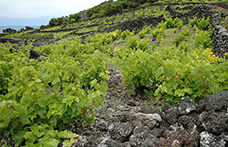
[110, 7]
[65, 20]
[29, 28]
[53, 22]
[124, 4]
[43, 27]
[74, 18]
[56, 21]
[9, 31]
[22, 30]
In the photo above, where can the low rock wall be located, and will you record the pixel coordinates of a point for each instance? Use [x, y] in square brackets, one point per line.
[134, 25]
[57, 31]
[12, 40]
[220, 41]
[220, 37]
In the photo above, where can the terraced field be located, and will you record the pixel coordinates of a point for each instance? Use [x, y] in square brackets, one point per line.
[62, 84]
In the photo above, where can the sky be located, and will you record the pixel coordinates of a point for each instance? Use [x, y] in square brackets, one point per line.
[39, 12]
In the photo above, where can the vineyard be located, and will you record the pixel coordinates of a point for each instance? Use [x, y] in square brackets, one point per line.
[162, 61]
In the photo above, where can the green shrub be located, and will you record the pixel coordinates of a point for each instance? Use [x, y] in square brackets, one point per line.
[193, 21]
[143, 32]
[45, 97]
[100, 26]
[181, 37]
[5, 66]
[116, 34]
[184, 47]
[158, 33]
[204, 24]
[139, 13]
[174, 73]
[143, 45]
[203, 38]
[126, 33]
[134, 66]
[176, 23]
[132, 42]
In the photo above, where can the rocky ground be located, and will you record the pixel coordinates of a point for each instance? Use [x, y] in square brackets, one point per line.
[129, 121]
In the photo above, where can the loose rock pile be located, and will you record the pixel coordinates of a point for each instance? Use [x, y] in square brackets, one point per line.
[124, 121]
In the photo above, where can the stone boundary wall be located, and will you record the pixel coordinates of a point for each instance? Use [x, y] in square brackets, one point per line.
[223, 5]
[132, 25]
[135, 25]
[2, 34]
[59, 30]
[220, 37]
[12, 40]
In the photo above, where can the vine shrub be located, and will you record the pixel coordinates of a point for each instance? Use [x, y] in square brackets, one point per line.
[184, 47]
[158, 33]
[143, 45]
[126, 33]
[176, 23]
[193, 21]
[135, 43]
[45, 97]
[132, 42]
[203, 38]
[175, 72]
[143, 32]
[183, 35]
[138, 71]
[5, 67]
[203, 24]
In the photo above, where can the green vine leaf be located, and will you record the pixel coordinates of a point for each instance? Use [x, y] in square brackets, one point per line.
[67, 134]
[56, 80]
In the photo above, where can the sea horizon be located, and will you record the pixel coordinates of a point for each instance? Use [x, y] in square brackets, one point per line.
[17, 27]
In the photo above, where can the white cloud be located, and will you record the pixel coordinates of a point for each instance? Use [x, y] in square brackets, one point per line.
[43, 8]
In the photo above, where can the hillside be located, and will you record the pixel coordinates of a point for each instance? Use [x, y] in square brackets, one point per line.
[143, 75]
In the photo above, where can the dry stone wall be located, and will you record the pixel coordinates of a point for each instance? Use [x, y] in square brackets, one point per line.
[12, 40]
[220, 41]
[220, 37]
